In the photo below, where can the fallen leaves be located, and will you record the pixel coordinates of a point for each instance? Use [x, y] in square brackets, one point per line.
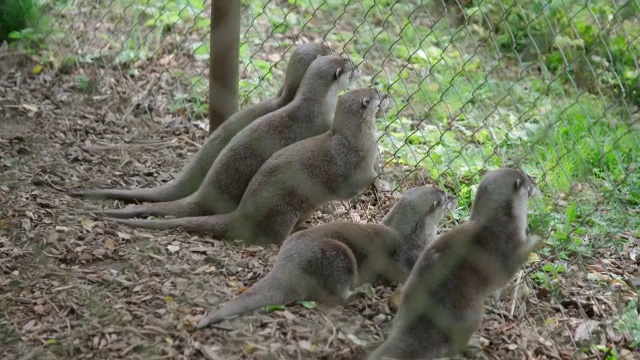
[585, 329]
[109, 243]
[87, 224]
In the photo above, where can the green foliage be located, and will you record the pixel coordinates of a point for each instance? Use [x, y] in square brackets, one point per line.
[308, 304]
[609, 351]
[164, 14]
[549, 276]
[594, 44]
[194, 103]
[629, 322]
[271, 308]
[18, 19]
[153, 20]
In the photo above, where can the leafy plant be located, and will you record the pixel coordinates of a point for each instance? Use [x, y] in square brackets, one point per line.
[586, 43]
[629, 322]
[164, 14]
[18, 19]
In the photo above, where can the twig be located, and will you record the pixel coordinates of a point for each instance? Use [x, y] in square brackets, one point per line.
[333, 329]
[52, 304]
[33, 353]
[98, 148]
[206, 351]
[140, 96]
[515, 294]
[190, 141]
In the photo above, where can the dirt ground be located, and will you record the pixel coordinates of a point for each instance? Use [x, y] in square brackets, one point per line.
[78, 287]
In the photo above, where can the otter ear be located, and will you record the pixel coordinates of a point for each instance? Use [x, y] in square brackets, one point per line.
[435, 205]
[518, 183]
[336, 76]
[365, 102]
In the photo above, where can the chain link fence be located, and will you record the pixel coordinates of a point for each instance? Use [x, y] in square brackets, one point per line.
[550, 86]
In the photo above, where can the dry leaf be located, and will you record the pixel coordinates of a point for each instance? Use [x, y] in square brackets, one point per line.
[356, 340]
[596, 267]
[165, 60]
[584, 330]
[533, 258]
[41, 309]
[596, 276]
[172, 248]
[205, 269]
[394, 299]
[30, 108]
[634, 282]
[109, 243]
[28, 326]
[87, 224]
[306, 345]
[124, 236]
[26, 224]
[290, 316]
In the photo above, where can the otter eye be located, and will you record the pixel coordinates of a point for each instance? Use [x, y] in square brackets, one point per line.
[337, 74]
[365, 102]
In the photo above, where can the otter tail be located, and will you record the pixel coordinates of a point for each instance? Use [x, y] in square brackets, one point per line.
[187, 182]
[270, 290]
[179, 208]
[173, 190]
[217, 226]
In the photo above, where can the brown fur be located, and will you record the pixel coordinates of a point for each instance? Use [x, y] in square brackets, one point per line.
[192, 174]
[442, 300]
[299, 178]
[325, 262]
[309, 114]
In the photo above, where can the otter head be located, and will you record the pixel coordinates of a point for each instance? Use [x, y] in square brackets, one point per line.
[326, 74]
[299, 62]
[415, 217]
[419, 211]
[427, 202]
[362, 105]
[504, 193]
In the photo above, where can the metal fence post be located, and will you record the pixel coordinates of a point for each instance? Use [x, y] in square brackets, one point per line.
[223, 61]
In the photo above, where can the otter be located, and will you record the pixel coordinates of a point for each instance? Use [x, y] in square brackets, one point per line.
[309, 114]
[442, 300]
[326, 262]
[296, 180]
[194, 172]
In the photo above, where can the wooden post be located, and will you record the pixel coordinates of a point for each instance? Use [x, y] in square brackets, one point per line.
[224, 61]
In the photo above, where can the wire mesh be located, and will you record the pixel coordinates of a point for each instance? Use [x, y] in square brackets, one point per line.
[549, 86]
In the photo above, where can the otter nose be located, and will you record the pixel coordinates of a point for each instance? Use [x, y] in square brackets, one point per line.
[450, 201]
[385, 100]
